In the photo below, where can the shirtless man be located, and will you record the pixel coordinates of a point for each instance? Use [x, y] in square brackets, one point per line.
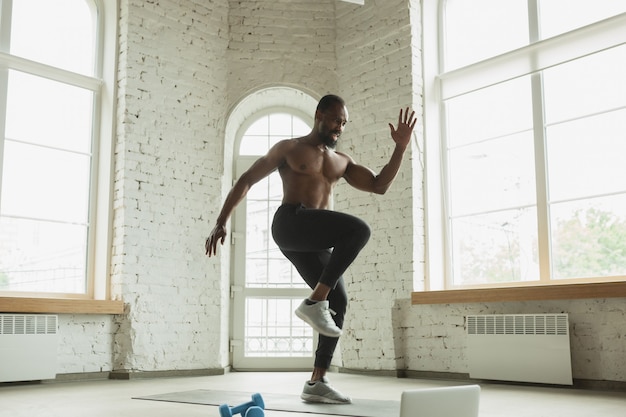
[319, 242]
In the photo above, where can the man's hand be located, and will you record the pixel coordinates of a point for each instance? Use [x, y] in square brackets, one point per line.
[217, 234]
[406, 123]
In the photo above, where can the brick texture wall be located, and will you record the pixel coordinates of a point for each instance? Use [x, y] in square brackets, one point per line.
[85, 343]
[171, 112]
[281, 43]
[374, 55]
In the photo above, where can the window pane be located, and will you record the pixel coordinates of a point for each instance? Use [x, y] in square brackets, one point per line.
[253, 145]
[257, 235]
[586, 156]
[275, 187]
[560, 16]
[280, 124]
[259, 190]
[45, 183]
[275, 139]
[271, 331]
[40, 256]
[300, 128]
[479, 29]
[266, 266]
[492, 175]
[587, 85]
[49, 113]
[60, 33]
[495, 111]
[269, 130]
[589, 238]
[495, 247]
[259, 127]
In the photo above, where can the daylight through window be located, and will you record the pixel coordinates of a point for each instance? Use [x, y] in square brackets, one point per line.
[534, 133]
[48, 76]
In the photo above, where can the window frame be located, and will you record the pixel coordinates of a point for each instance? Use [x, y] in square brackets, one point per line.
[244, 292]
[266, 111]
[439, 86]
[97, 297]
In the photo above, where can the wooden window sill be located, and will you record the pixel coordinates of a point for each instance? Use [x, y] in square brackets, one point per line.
[544, 292]
[60, 306]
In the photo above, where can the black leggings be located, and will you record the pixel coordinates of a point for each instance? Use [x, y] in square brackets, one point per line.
[305, 237]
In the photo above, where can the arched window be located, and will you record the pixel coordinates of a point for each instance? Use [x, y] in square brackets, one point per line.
[526, 115]
[267, 288]
[51, 127]
[266, 267]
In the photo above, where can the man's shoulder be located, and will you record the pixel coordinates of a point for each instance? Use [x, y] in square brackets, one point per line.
[344, 156]
[286, 143]
[283, 146]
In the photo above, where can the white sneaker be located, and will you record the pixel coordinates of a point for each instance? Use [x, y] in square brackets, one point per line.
[322, 392]
[318, 317]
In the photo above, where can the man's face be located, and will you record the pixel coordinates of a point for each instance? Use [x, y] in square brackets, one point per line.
[331, 124]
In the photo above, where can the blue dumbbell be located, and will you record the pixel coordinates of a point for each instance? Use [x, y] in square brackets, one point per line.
[252, 408]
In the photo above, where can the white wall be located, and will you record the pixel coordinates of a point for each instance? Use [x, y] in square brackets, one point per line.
[281, 43]
[85, 343]
[171, 114]
[184, 65]
[376, 78]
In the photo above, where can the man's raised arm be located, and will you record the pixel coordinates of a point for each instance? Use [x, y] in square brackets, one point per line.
[364, 179]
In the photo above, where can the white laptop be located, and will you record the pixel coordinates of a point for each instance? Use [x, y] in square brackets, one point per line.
[455, 401]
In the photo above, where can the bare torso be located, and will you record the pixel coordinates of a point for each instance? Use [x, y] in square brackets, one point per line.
[310, 168]
[309, 173]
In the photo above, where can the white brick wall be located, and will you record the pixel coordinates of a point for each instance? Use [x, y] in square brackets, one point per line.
[85, 343]
[281, 42]
[376, 79]
[172, 108]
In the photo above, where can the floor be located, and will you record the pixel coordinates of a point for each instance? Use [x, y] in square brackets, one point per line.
[113, 398]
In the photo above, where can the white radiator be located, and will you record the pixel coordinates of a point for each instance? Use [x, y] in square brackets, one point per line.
[28, 347]
[519, 347]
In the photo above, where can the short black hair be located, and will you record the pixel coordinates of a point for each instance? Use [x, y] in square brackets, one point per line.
[328, 101]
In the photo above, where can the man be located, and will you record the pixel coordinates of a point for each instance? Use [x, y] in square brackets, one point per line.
[319, 242]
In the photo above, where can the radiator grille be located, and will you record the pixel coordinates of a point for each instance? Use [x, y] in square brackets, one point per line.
[28, 324]
[518, 324]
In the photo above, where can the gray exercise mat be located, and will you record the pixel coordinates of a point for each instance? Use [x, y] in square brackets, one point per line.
[282, 402]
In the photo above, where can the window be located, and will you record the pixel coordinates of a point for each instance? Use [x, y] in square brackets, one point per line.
[55, 138]
[266, 267]
[530, 108]
[269, 287]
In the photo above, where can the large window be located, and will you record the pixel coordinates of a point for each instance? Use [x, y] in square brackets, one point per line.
[51, 94]
[531, 113]
[268, 287]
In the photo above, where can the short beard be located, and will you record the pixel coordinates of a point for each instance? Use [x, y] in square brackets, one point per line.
[329, 142]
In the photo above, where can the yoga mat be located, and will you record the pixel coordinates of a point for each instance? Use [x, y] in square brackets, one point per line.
[282, 402]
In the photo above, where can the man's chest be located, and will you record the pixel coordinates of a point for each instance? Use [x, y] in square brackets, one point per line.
[326, 164]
